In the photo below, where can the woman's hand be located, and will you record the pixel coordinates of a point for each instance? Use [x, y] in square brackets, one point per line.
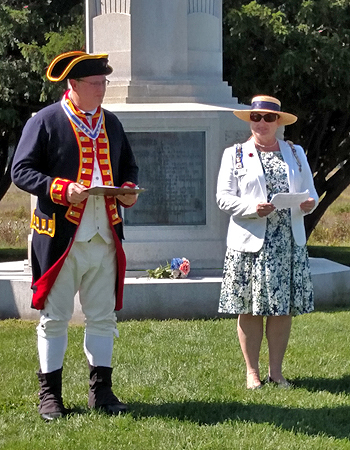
[264, 209]
[308, 205]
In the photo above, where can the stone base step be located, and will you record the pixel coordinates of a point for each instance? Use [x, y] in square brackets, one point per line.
[195, 297]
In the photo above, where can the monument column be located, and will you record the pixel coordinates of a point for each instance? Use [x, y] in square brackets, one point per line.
[161, 50]
[204, 39]
[159, 40]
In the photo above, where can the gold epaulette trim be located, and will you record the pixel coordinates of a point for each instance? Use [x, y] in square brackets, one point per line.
[44, 226]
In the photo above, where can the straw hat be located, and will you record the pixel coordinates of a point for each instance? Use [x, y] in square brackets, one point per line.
[266, 104]
[78, 64]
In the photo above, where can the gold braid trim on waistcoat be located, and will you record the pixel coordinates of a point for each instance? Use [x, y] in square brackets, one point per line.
[87, 148]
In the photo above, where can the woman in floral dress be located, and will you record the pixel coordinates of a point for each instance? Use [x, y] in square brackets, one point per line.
[266, 268]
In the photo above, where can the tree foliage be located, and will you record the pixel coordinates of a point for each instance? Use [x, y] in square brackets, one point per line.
[32, 33]
[298, 51]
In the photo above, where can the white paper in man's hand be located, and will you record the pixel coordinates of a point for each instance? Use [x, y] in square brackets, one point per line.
[284, 201]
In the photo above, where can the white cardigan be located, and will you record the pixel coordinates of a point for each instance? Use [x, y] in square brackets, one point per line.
[239, 190]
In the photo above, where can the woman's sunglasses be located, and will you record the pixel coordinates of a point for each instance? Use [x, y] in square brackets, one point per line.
[269, 117]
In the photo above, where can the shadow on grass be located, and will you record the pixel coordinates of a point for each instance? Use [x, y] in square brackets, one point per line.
[340, 255]
[333, 422]
[13, 254]
[332, 385]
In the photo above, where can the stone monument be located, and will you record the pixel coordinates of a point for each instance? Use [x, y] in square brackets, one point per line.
[167, 90]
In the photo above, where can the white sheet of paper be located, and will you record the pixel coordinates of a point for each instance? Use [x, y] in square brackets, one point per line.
[283, 201]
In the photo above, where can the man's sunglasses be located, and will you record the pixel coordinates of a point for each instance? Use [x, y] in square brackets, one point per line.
[269, 117]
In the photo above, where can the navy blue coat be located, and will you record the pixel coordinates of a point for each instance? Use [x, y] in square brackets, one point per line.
[47, 150]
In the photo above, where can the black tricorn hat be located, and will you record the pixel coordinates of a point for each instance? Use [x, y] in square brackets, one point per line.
[78, 65]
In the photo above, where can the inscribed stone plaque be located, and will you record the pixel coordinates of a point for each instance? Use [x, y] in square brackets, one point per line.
[172, 169]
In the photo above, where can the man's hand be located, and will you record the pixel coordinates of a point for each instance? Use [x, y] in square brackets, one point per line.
[76, 193]
[127, 199]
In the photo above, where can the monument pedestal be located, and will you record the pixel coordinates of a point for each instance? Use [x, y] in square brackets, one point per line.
[167, 89]
[186, 91]
[178, 148]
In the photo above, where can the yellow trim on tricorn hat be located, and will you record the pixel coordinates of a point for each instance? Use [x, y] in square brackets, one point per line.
[78, 64]
[266, 104]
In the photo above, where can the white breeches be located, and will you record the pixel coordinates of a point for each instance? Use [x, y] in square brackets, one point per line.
[89, 268]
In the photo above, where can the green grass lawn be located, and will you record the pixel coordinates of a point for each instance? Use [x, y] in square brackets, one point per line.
[185, 384]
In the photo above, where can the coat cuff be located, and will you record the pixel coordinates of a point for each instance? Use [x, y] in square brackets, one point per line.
[58, 191]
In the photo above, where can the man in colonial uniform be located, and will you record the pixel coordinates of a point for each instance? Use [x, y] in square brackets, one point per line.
[65, 149]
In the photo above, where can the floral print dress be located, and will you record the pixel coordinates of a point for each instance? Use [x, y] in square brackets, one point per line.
[276, 280]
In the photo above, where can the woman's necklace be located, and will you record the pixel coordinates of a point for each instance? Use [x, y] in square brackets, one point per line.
[266, 146]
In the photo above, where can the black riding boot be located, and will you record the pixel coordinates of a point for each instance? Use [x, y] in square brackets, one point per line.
[100, 392]
[50, 395]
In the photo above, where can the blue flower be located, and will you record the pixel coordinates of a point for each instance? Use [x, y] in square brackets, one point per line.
[175, 263]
